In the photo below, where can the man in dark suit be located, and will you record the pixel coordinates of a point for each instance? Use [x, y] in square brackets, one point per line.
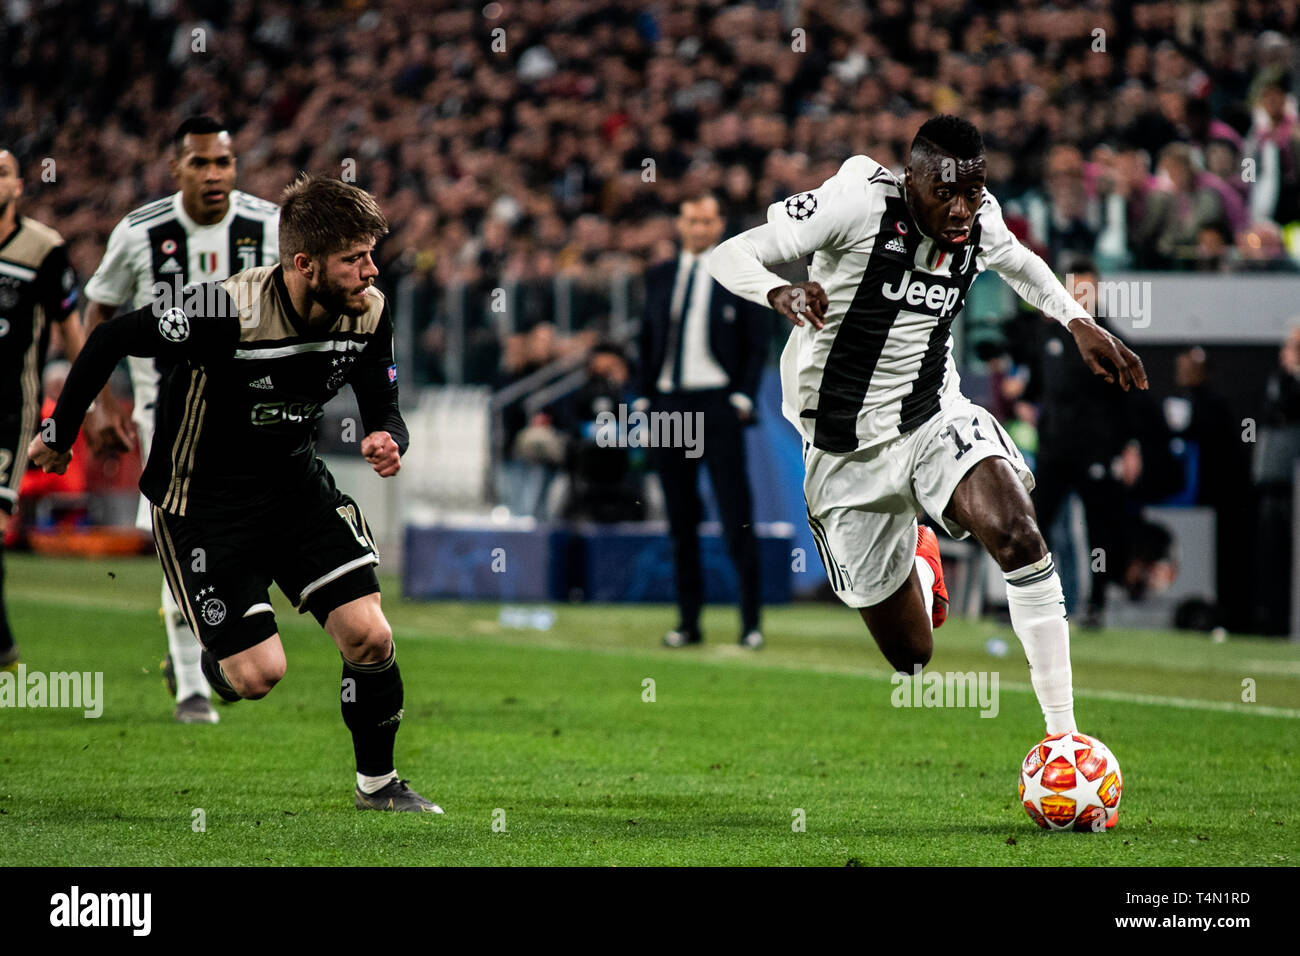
[702, 351]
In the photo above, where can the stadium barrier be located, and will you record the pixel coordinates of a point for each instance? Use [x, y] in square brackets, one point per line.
[519, 559]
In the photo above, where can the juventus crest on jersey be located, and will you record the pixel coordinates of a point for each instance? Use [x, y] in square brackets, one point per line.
[160, 243]
[882, 364]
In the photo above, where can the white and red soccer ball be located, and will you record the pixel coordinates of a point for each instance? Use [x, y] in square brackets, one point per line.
[1071, 781]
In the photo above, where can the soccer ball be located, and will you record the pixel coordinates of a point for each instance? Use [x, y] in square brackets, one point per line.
[1070, 781]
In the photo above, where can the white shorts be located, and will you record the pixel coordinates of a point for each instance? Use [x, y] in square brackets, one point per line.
[862, 506]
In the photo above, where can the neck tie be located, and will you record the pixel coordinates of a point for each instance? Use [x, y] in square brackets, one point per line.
[679, 327]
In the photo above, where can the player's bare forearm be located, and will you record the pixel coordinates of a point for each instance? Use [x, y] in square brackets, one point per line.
[73, 335]
[89, 373]
[800, 301]
[1097, 345]
[108, 426]
[97, 313]
[381, 451]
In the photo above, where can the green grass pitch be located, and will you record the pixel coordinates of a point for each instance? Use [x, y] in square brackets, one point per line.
[547, 735]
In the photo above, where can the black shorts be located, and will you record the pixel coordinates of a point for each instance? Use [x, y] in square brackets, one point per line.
[316, 547]
[14, 440]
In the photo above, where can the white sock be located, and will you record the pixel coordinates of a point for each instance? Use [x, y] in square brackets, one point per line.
[185, 650]
[926, 574]
[1038, 618]
[373, 784]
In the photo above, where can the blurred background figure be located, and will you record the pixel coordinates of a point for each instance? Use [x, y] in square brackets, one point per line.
[605, 475]
[1274, 143]
[702, 353]
[1089, 444]
[1175, 213]
[1284, 383]
[1201, 419]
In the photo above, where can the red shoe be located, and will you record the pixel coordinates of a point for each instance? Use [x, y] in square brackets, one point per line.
[927, 546]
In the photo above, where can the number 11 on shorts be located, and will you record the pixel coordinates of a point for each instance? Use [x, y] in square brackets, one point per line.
[349, 514]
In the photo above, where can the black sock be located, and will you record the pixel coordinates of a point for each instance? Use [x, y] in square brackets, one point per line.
[371, 697]
[6, 636]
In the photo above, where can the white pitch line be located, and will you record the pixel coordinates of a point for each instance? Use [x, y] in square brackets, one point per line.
[1186, 703]
[732, 654]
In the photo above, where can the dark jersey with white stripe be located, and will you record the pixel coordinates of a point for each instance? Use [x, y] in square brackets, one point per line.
[245, 384]
[37, 287]
[882, 365]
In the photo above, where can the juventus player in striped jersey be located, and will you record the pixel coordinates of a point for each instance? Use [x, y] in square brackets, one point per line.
[205, 231]
[869, 381]
[234, 477]
[37, 287]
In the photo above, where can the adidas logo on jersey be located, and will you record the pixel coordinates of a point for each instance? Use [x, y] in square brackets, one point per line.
[896, 245]
[263, 382]
[171, 265]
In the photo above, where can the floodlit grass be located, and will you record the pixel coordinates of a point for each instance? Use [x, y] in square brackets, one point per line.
[547, 733]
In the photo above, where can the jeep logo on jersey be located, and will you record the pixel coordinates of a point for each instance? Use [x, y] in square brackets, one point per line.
[273, 413]
[174, 326]
[801, 206]
[936, 298]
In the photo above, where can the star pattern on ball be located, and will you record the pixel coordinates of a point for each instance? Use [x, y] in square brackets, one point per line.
[1065, 747]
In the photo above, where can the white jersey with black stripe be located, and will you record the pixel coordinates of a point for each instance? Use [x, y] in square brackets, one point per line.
[158, 246]
[159, 241]
[882, 364]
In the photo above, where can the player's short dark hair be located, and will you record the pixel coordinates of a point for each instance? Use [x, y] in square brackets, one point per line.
[948, 135]
[320, 215]
[203, 125]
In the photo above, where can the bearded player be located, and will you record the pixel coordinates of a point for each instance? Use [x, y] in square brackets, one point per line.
[204, 231]
[239, 498]
[869, 381]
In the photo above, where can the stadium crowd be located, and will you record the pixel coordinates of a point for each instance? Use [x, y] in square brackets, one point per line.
[511, 145]
[521, 141]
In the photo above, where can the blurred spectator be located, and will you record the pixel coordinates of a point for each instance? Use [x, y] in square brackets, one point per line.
[566, 153]
[1087, 445]
[1175, 213]
[1066, 218]
[604, 474]
[1283, 388]
[534, 448]
[1214, 248]
[1274, 143]
[1199, 415]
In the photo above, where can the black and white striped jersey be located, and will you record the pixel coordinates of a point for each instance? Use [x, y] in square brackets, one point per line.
[882, 365]
[159, 245]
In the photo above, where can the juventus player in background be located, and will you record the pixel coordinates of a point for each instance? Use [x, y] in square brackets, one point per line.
[37, 287]
[251, 362]
[869, 381]
[205, 231]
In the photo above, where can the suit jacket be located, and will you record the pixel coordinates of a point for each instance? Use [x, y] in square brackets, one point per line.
[738, 333]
